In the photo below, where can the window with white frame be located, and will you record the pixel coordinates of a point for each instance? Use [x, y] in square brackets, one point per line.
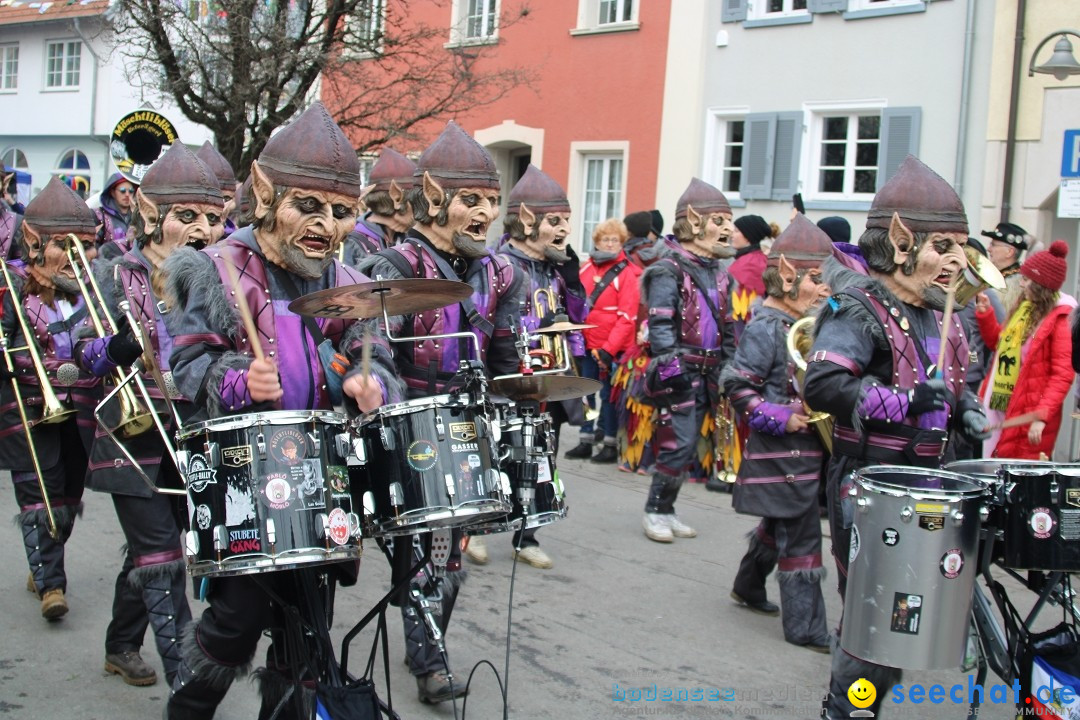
[856, 5]
[727, 155]
[844, 155]
[615, 11]
[480, 19]
[601, 16]
[603, 191]
[74, 169]
[368, 24]
[14, 158]
[9, 67]
[63, 59]
[761, 9]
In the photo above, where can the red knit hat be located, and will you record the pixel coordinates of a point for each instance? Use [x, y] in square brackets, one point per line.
[1047, 268]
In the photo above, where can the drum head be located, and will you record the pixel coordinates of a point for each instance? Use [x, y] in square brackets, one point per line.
[989, 468]
[918, 482]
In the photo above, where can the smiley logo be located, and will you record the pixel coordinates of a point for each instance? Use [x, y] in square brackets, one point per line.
[862, 693]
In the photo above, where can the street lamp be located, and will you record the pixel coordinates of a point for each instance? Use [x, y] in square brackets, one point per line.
[1061, 64]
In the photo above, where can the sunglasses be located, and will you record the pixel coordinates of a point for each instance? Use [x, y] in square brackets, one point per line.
[126, 191]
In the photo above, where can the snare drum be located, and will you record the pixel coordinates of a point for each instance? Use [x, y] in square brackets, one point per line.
[912, 566]
[268, 491]
[1042, 528]
[549, 499]
[430, 464]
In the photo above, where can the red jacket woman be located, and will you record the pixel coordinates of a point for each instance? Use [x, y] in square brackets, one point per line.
[614, 312]
[1044, 352]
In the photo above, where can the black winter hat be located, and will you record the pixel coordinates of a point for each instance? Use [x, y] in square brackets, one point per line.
[639, 223]
[657, 223]
[754, 228]
[836, 227]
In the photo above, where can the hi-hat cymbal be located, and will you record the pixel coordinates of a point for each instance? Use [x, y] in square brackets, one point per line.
[365, 300]
[562, 327]
[544, 387]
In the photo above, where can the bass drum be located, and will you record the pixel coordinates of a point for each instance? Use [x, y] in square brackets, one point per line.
[268, 491]
[1042, 530]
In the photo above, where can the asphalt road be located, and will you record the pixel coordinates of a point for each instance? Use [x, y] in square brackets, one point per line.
[617, 612]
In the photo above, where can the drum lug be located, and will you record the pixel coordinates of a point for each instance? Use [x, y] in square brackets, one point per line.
[507, 489]
[984, 513]
[221, 540]
[957, 518]
[451, 487]
[368, 501]
[316, 442]
[213, 453]
[907, 513]
[260, 443]
[862, 503]
[397, 497]
[387, 438]
[1054, 489]
[191, 543]
[324, 524]
[440, 428]
[271, 535]
[182, 458]
[355, 528]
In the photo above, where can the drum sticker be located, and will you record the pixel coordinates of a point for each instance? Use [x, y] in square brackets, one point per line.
[310, 490]
[245, 541]
[952, 562]
[890, 536]
[1072, 497]
[338, 477]
[202, 517]
[422, 455]
[339, 526]
[277, 491]
[463, 431]
[1041, 523]
[468, 447]
[931, 522]
[239, 506]
[856, 543]
[236, 456]
[288, 446]
[200, 474]
[474, 461]
[906, 613]
[1070, 525]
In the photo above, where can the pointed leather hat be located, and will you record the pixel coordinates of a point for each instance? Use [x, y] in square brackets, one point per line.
[540, 193]
[218, 165]
[455, 160]
[803, 244]
[703, 197]
[922, 198]
[312, 153]
[392, 166]
[180, 177]
[57, 209]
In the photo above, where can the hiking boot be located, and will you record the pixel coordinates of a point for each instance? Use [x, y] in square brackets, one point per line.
[762, 607]
[715, 484]
[534, 556]
[30, 586]
[607, 455]
[131, 668]
[583, 451]
[656, 528]
[435, 688]
[477, 550]
[680, 529]
[53, 604]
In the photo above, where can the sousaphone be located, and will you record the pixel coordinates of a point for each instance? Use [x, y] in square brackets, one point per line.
[138, 140]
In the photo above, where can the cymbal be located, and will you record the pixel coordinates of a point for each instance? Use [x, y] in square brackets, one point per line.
[562, 327]
[364, 300]
[544, 387]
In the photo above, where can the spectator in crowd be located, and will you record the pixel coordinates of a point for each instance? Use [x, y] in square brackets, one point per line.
[748, 266]
[1032, 369]
[11, 211]
[117, 203]
[1007, 245]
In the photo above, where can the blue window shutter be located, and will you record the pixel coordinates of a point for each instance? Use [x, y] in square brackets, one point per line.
[759, 141]
[899, 138]
[733, 10]
[822, 6]
[785, 178]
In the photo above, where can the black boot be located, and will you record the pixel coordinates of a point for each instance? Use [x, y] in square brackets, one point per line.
[164, 592]
[607, 455]
[583, 451]
[278, 696]
[749, 585]
[803, 609]
[46, 557]
[199, 684]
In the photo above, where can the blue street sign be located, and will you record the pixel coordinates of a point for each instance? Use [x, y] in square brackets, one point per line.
[1070, 155]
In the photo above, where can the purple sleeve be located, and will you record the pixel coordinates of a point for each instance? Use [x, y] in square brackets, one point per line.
[881, 402]
[575, 306]
[770, 418]
[94, 358]
[234, 390]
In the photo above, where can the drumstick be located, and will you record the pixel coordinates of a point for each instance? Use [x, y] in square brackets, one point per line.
[244, 310]
[1024, 419]
[946, 318]
[365, 357]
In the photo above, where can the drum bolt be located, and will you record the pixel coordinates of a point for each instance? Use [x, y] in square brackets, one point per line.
[862, 503]
[957, 518]
[906, 514]
[984, 513]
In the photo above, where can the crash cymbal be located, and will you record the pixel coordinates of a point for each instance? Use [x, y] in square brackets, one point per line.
[364, 300]
[562, 327]
[544, 387]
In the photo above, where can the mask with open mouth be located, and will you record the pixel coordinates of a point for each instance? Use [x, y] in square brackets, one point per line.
[927, 265]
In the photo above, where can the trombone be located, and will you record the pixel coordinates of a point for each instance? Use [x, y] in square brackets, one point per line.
[553, 351]
[52, 410]
[799, 341]
[134, 418]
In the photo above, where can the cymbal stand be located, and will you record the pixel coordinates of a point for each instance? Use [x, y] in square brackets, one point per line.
[522, 339]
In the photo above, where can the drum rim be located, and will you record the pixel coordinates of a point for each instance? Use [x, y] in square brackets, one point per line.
[394, 409]
[268, 417]
[959, 466]
[978, 490]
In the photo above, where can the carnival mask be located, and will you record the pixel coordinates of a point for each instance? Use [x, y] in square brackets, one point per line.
[51, 266]
[467, 218]
[194, 224]
[925, 272]
[712, 233]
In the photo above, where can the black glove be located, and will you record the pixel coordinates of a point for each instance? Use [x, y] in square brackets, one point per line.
[604, 358]
[123, 349]
[571, 270]
[974, 425]
[556, 316]
[927, 397]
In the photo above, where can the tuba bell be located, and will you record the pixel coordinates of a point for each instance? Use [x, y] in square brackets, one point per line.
[138, 140]
[981, 274]
[799, 341]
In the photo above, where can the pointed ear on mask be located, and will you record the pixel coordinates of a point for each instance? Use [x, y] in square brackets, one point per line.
[32, 238]
[434, 193]
[789, 275]
[528, 219]
[397, 195]
[902, 239]
[694, 219]
[262, 190]
[148, 211]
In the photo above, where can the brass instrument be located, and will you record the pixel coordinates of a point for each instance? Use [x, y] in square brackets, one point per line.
[52, 410]
[727, 446]
[799, 341]
[134, 417]
[552, 352]
[980, 275]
